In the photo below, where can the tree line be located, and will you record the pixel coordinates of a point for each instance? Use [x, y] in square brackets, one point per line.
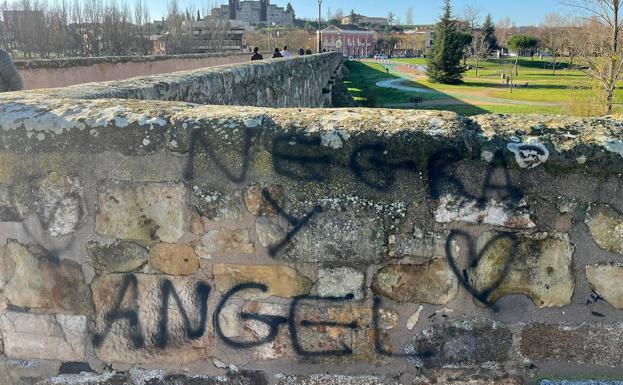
[89, 28]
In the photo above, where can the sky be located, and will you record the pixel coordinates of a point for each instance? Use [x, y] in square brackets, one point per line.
[524, 12]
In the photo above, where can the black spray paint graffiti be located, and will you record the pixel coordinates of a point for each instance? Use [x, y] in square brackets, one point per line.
[474, 256]
[129, 317]
[304, 158]
[440, 181]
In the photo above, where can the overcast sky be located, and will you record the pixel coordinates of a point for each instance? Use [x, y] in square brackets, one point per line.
[524, 12]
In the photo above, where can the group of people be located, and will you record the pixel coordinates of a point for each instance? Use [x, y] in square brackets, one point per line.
[9, 78]
[277, 53]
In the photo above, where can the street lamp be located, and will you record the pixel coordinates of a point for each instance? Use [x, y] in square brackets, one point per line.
[319, 26]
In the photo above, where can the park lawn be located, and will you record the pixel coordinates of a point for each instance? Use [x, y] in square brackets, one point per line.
[551, 93]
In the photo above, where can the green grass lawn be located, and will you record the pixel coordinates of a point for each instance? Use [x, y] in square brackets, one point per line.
[546, 93]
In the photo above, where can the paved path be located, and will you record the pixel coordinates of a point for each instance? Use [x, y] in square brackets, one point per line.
[445, 97]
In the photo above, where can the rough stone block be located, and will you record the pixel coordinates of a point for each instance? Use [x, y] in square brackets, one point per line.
[37, 280]
[540, 267]
[60, 205]
[139, 319]
[40, 336]
[229, 241]
[282, 281]
[433, 283]
[335, 379]
[340, 282]
[268, 232]
[464, 343]
[258, 205]
[453, 208]
[606, 280]
[119, 257]
[606, 227]
[595, 344]
[173, 259]
[143, 212]
[339, 237]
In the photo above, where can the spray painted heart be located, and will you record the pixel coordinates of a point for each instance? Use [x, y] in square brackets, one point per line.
[462, 274]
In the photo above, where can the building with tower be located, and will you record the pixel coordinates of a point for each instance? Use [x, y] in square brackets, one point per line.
[254, 12]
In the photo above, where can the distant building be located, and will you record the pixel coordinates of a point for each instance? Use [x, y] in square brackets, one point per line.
[350, 40]
[210, 37]
[254, 12]
[427, 34]
[360, 19]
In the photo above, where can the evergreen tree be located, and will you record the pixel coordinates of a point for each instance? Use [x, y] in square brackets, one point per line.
[488, 29]
[444, 63]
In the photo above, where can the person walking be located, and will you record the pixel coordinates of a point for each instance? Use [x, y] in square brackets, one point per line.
[285, 52]
[256, 54]
[9, 78]
[301, 51]
[277, 54]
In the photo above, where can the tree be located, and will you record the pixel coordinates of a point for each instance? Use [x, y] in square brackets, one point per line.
[391, 18]
[520, 44]
[488, 29]
[480, 46]
[554, 36]
[354, 17]
[504, 29]
[444, 64]
[601, 46]
[409, 16]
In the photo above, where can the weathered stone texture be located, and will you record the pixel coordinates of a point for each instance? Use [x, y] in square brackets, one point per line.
[432, 283]
[340, 282]
[130, 314]
[60, 205]
[281, 281]
[268, 232]
[540, 267]
[255, 199]
[35, 279]
[229, 241]
[464, 343]
[594, 344]
[606, 227]
[173, 259]
[49, 337]
[327, 379]
[143, 212]
[339, 237]
[606, 279]
[118, 257]
[454, 208]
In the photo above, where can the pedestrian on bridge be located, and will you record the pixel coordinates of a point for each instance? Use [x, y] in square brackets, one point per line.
[277, 54]
[9, 78]
[256, 54]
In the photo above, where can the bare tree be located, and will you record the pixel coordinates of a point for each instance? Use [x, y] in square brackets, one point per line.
[554, 36]
[480, 47]
[601, 46]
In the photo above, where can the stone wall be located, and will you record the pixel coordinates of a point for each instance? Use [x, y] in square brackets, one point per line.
[67, 72]
[304, 81]
[165, 243]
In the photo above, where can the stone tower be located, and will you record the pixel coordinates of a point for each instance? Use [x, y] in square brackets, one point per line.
[264, 10]
[233, 9]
